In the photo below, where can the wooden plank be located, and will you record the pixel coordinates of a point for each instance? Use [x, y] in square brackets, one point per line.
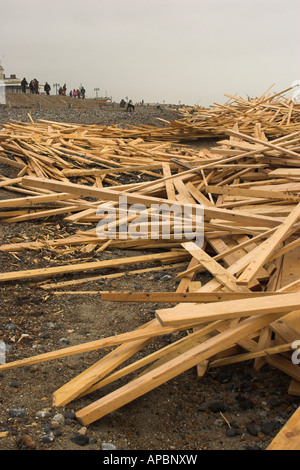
[10, 181]
[73, 282]
[175, 297]
[30, 201]
[252, 355]
[169, 184]
[254, 193]
[194, 314]
[75, 268]
[285, 173]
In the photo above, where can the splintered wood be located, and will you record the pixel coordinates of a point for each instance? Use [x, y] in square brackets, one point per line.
[248, 185]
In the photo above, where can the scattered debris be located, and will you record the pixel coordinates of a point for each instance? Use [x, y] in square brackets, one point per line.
[249, 186]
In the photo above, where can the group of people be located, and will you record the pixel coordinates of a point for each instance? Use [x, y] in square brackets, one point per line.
[62, 90]
[130, 105]
[79, 93]
[33, 86]
[34, 89]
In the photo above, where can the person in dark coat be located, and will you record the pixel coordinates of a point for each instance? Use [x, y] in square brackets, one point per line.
[130, 106]
[36, 86]
[24, 84]
[47, 88]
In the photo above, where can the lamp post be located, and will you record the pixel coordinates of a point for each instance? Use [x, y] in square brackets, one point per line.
[56, 86]
[96, 90]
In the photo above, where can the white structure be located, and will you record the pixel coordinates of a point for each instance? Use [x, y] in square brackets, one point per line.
[12, 84]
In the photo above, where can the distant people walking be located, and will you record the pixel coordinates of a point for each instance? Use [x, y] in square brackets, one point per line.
[74, 93]
[47, 88]
[24, 84]
[78, 93]
[64, 89]
[82, 91]
[130, 106]
[122, 103]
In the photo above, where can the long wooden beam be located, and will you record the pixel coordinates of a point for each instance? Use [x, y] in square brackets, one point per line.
[174, 297]
[228, 310]
[80, 267]
[135, 198]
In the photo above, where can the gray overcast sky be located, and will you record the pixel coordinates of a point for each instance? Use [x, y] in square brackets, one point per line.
[192, 51]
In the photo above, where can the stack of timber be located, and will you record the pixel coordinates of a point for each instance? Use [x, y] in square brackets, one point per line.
[276, 114]
[249, 187]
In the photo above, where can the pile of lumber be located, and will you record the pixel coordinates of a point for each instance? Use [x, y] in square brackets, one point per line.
[249, 187]
[90, 154]
[277, 115]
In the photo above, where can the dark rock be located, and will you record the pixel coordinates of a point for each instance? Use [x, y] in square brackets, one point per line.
[45, 336]
[15, 384]
[256, 447]
[10, 327]
[244, 403]
[252, 429]
[269, 427]
[216, 406]
[17, 412]
[167, 338]
[232, 432]
[69, 415]
[224, 376]
[80, 439]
